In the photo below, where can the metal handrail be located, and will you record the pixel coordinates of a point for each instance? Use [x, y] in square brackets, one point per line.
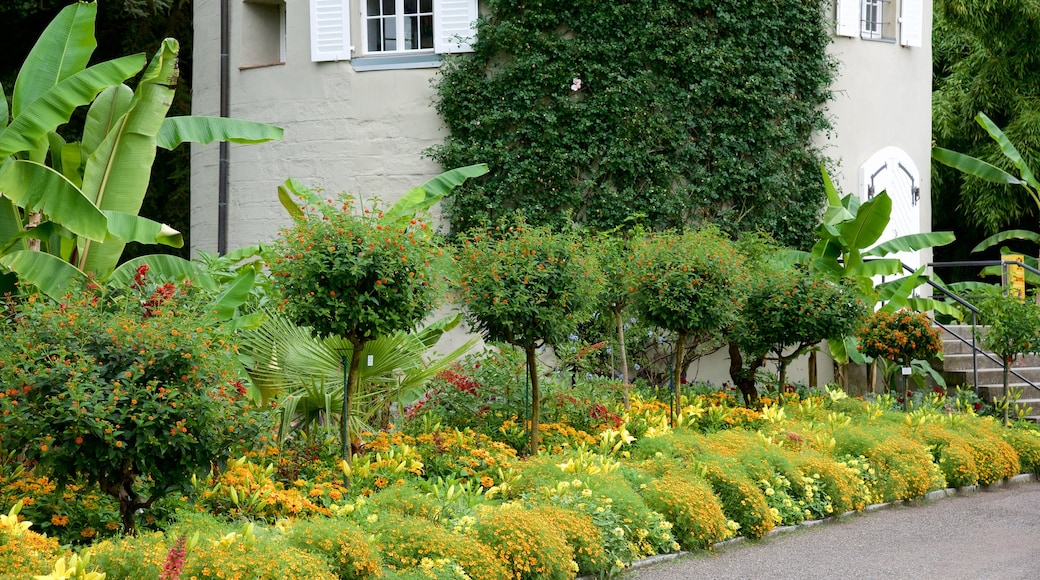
[975, 350]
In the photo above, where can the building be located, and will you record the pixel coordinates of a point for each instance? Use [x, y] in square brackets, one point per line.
[349, 81]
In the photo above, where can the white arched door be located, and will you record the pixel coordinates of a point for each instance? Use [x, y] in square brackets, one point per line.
[892, 170]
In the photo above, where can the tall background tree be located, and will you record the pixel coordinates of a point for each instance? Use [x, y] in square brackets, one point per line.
[676, 111]
[123, 27]
[985, 60]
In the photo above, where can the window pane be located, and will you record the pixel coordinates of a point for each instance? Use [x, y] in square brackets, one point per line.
[426, 6]
[411, 39]
[390, 33]
[411, 6]
[426, 31]
[372, 8]
[389, 7]
[375, 35]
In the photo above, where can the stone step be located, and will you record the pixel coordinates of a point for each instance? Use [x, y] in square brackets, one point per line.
[964, 361]
[990, 392]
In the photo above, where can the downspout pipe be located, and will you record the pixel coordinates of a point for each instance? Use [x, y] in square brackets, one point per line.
[223, 180]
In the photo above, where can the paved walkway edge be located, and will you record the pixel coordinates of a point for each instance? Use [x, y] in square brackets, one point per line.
[928, 497]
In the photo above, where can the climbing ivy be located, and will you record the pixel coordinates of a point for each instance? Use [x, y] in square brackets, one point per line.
[675, 111]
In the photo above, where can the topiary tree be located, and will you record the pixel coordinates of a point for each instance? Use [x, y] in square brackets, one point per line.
[528, 287]
[1012, 329]
[346, 272]
[787, 313]
[685, 284]
[597, 109]
[136, 390]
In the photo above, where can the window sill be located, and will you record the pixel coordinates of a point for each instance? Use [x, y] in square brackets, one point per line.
[881, 40]
[256, 66]
[396, 61]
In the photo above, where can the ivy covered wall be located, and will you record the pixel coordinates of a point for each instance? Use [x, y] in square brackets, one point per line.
[660, 111]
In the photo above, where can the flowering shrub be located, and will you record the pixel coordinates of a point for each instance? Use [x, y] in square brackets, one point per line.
[74, 514]
[121, 388]
[131, 557]
[245, 556]
[742, 501]
[692, 507]
[531, 547]
[406, 541]
[247, 490]
[343, 545]
[581, 534]
[900, 337]
[23, 552]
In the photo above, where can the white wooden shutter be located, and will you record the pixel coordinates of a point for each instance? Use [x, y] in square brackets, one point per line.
[911, 23]
[847, 18]
[454, 25]
[330, 30]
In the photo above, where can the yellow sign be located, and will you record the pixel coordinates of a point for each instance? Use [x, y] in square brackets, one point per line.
[1015, 282]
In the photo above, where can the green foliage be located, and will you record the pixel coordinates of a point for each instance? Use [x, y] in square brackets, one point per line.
[686, 282]
[353, 276]
[599, 109]
[137, 388]
[1013, 326]
[983, 63]
[525, 285]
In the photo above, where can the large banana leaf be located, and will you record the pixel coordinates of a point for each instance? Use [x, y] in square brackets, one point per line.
[876, 267]
[200, 129]
[901, 289]
[54, 107]
[162, 268]
[117, 172]
[1008, 149]
[870, 222]
[836, 212]
[36, 187]
[62, 50]
[50, 274]
[104, 113]
[973, 166]
[127, 227]
[1005, 236]
[424, 197]
[10, 226]
[911, 243]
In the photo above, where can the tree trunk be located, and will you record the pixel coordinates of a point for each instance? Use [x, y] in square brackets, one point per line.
[744, 379]
[35, 218]
[677, 372]
[813, 378]
[536, 407]
[623, 353]
[348, 398]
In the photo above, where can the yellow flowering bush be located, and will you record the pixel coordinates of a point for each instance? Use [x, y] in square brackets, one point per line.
[582, 536]
[844, 484]
[343, 544]
[953, 453]
[404, 541]
[530, 546]
[692, 507]
[131, 557]
[1026, 443]
[742, 500]
[246, 489]
[23, 552]
[246, 556]
[995, 458]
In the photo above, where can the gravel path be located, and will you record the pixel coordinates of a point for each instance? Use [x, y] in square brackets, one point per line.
[983, 535]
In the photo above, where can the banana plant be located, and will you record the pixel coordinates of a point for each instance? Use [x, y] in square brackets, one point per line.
[1026, 179]
[848, 249]
[64, 221]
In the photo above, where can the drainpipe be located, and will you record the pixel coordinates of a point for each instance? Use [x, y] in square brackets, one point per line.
[225, 82]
